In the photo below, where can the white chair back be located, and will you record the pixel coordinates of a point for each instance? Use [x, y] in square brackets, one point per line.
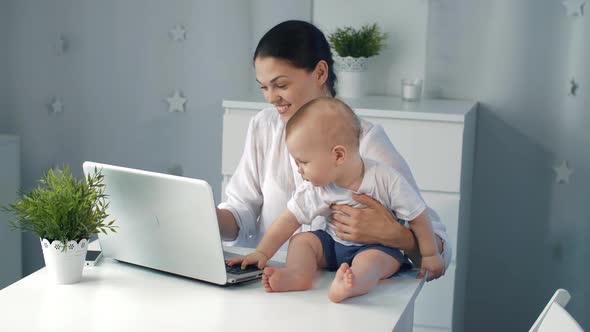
[554, 317]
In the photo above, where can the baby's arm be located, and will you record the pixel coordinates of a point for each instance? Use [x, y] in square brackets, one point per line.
[277, 234]
[423, 230]
[431, 259]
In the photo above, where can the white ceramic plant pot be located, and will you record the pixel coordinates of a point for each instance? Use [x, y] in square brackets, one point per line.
[65, 266]
[352, 76]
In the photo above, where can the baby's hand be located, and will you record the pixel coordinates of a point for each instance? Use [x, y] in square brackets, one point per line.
[434, 265]
[256, 257]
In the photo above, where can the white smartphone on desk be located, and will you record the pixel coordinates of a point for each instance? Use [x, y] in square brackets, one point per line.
[93, 257]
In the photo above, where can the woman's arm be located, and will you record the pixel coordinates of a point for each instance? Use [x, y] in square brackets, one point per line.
[227, 225]
[238, 215]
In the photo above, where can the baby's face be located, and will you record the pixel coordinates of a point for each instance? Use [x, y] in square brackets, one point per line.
[315, 161]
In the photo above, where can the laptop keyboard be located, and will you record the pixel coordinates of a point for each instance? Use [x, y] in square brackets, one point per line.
[237, 269]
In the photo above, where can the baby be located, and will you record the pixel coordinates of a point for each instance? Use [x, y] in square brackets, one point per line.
[323, 139]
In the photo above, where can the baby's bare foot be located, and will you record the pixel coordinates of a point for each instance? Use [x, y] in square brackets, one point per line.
[284, 280]
[265, 283]
[343, 285]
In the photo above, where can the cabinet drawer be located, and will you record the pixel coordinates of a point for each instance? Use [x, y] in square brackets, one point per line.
[432, 150]
[235, 128]
[446, 206]
[434, 304]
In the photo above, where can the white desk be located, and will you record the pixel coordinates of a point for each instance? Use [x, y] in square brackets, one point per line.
[114, 296]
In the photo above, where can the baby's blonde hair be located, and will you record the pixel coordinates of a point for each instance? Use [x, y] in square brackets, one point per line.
[328, 118]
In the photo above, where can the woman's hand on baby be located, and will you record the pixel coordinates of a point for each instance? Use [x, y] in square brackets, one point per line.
[370, 225]
[434, 265]
[256, 258]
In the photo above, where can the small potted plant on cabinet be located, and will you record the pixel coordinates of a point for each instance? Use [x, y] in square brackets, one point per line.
[64, 213]
[354, 48]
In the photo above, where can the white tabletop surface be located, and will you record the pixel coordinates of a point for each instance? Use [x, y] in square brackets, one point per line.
[115, 296]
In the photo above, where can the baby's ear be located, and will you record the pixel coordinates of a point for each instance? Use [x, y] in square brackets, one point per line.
[339, 152]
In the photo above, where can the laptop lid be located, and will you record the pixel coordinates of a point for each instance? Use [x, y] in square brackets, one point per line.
[166, 222]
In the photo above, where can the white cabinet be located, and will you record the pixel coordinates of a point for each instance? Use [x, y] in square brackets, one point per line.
[10, 241]
[436, 137]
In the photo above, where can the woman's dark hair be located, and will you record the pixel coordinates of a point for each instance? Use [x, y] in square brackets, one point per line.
[300, 43]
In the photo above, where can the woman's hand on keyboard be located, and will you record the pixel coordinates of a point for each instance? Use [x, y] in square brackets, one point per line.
[256, 258]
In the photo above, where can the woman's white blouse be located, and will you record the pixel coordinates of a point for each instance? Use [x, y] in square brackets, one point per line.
[266, 178]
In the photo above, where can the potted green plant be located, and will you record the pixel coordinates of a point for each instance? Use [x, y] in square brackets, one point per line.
[353, 48]
[63, 212]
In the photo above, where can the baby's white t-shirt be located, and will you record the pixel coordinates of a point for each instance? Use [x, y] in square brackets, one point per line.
[380, 181]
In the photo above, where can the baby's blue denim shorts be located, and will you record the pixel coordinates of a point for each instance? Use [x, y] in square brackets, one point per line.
[336, 253]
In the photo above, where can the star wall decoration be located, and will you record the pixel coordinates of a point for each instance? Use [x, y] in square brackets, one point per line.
[56, 167]
[176, 169]
[178, 33]
[176, 102]
[56, 106]
[61, 46]
[573, 87]
[574, 7]
[563, 172]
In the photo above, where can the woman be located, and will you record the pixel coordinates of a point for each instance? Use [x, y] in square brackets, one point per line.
[294, 65]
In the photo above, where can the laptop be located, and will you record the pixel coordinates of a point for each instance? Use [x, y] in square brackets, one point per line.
[167, 223]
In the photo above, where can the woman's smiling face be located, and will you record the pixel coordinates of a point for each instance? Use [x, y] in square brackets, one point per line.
[288, 87]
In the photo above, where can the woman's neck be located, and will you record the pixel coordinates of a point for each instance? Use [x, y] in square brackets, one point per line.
[352, 174]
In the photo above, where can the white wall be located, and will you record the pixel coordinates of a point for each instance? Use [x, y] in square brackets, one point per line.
[4, 115]
[529, 234]
[268, 13]
[10, 241]
[405, 22]
[114, 78]
[119, 67]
